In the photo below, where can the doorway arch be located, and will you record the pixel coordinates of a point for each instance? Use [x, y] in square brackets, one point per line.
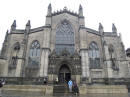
[64, 74]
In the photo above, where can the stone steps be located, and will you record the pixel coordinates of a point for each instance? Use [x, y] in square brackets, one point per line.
[60, 90]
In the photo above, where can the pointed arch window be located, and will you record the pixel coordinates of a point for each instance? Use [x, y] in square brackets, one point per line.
[64, 38]
[94, 57]
[34, 54]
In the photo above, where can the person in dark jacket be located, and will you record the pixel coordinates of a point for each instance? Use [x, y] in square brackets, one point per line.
[45, 81]
[75, 88]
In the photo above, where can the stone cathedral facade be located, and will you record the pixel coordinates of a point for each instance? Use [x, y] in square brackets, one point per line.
[63, 48]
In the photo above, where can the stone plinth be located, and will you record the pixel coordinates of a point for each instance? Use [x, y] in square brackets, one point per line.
[42, 90]
[103, 89]
[34, 90]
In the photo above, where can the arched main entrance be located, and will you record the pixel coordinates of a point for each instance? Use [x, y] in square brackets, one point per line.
[64, 74]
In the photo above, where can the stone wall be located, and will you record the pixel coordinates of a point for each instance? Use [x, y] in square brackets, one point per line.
[3, 68]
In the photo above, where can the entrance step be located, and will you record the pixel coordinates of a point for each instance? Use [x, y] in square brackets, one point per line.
[60, 90]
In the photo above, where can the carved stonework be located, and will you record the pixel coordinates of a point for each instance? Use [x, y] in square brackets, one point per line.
[53, 54]
[72, 61]
[65, 53]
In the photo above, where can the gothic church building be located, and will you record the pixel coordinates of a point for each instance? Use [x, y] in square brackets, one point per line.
[63, 48]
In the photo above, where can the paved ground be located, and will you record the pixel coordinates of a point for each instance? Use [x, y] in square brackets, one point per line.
[89, 95]
[129, 94]
[0, 92]
[100, 95]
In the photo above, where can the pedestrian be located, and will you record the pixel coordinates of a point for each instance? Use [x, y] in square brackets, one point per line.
[75, 88]
[2, 83]
[57, 80]
[45, 81]
[70, 84]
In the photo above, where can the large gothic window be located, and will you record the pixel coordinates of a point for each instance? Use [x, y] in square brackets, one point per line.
[34, 56]
[94, 57]
[64, 38]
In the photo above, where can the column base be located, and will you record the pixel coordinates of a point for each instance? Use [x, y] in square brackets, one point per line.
[86, 80]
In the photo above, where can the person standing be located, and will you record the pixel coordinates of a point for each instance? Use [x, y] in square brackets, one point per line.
[57, 80]
[75, 88]
[2, 83]
[70, 84]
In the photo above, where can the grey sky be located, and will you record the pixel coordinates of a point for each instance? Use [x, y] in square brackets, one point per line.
[95, 11]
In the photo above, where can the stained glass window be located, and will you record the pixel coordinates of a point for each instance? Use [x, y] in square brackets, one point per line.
[94, 57]
[64, 38]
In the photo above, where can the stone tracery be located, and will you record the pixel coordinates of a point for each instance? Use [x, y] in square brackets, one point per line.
[64, 37]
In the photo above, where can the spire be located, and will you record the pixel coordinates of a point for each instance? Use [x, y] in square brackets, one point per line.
[28, 23]
[13, 26]
[114, 30]
[65, 8]
[80, 11]
[49, 10]
[28, 26]
[6, 36]
[100, 28]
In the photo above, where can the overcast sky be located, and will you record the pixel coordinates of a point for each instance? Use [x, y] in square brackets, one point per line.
[95, 11]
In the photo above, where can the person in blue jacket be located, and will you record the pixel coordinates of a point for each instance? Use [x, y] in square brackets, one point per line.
[70, 84]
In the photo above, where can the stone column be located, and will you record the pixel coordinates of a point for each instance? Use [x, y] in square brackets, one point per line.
[45, 52]
[108, 63]
[18, 68]
[19, 62]
[42, 63]
[45, 72]
[85, 64]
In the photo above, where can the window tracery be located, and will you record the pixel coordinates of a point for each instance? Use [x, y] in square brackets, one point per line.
[34, 54]
[64, 38]
[94, 57]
